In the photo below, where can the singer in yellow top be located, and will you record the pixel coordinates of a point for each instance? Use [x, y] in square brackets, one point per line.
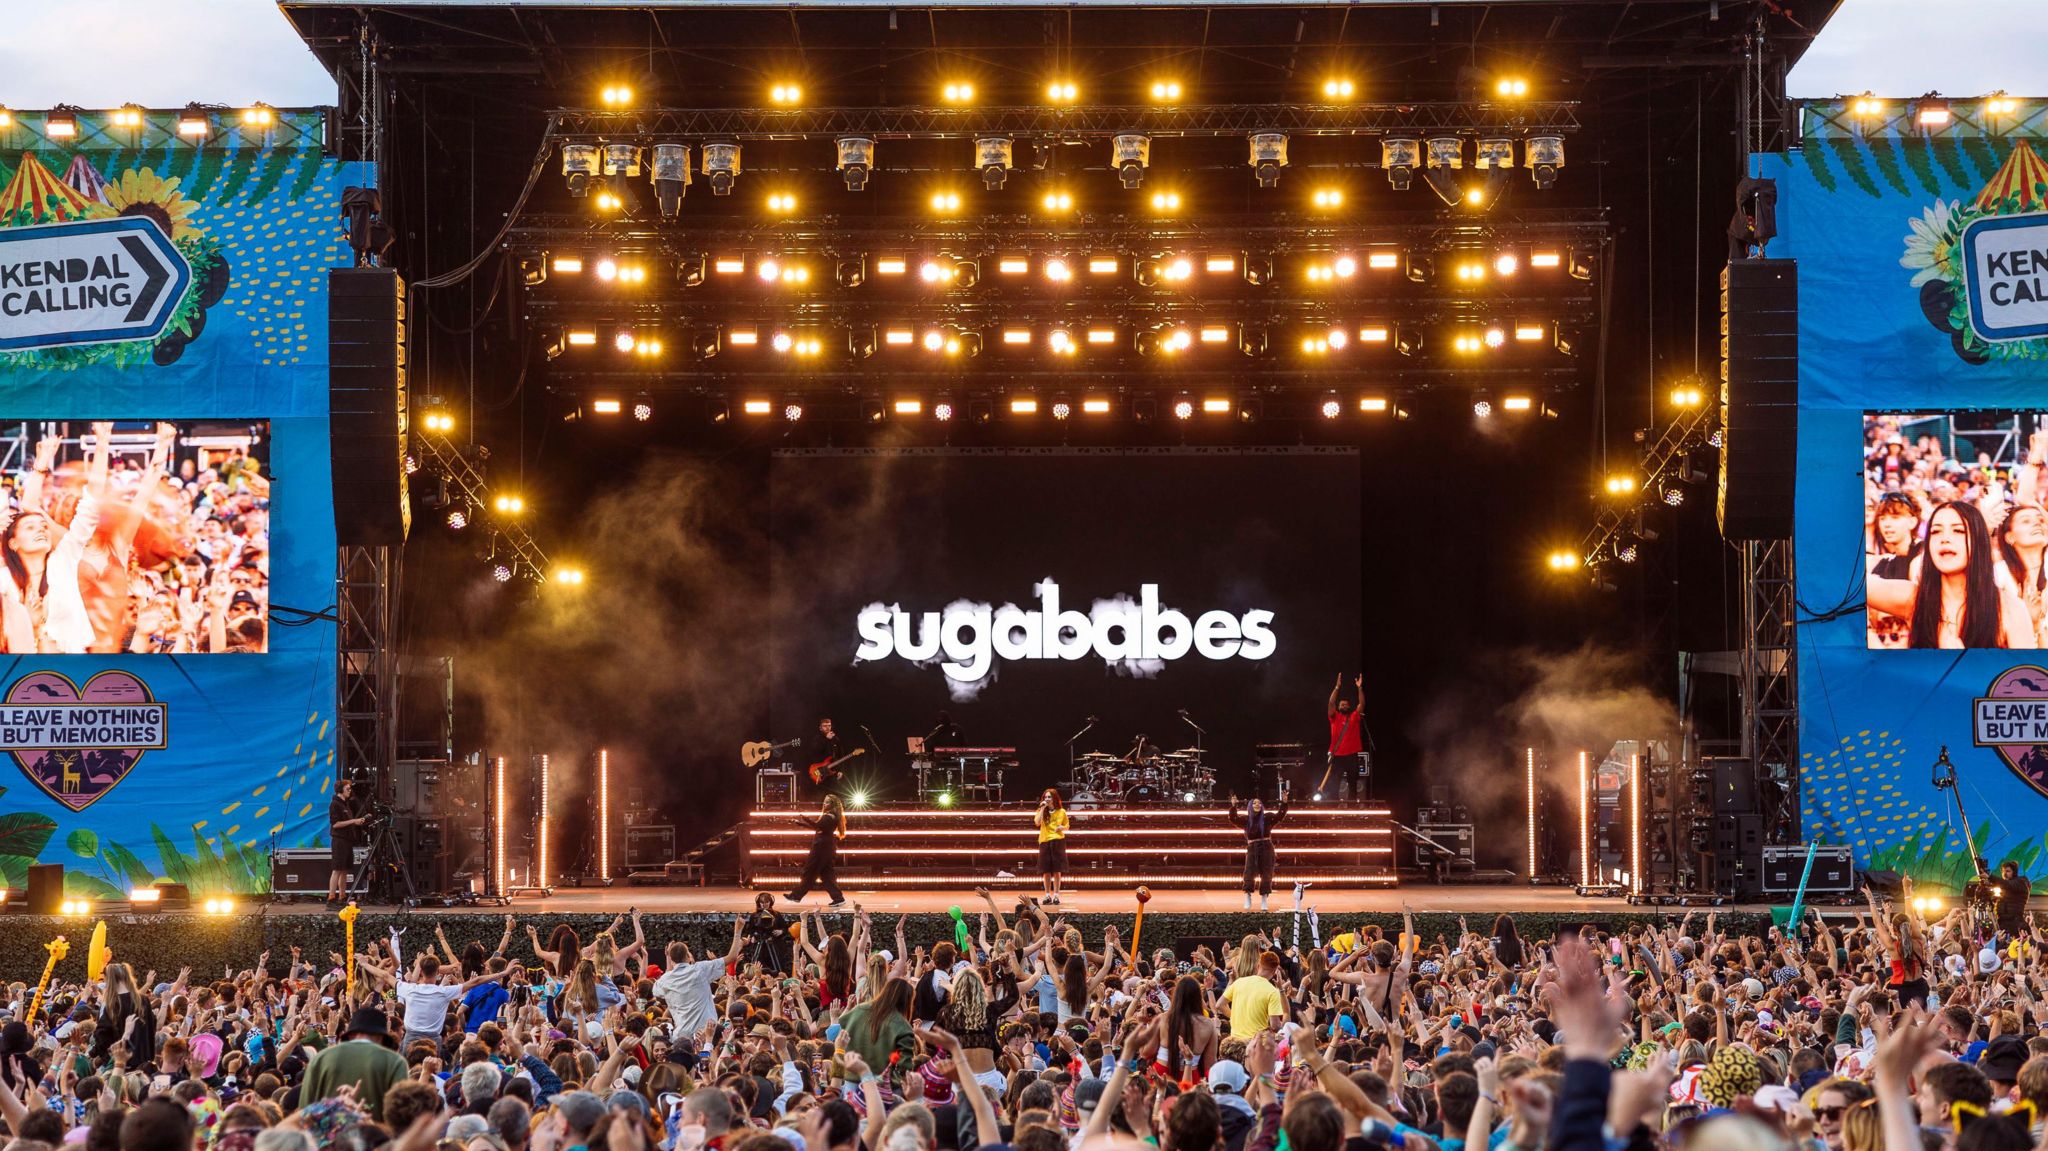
[1051, 820]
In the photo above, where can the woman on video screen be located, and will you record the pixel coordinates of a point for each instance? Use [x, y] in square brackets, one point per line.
[1956, 595]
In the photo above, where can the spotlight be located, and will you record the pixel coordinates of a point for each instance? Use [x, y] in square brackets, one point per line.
[438, 422]
[1866, 107]
[1621, 484]
[1674, 495]
[1931, 112]
[721, 166]
[616, 96]
[1061, 92]
[6, 118]
[1187, 797]
[219, 906]
[993, 156]
[1095, 406]
[1331, 408]
[1061, 409]
[1481, 409]
[569, 576]
[1338, 88]
[945, 799]
[1996, 104]
[608, 200]
[1166, 202]
[1183, 410]
[258, 117]
[579, 167]
[1506, 264]
[624, 340]
[1544, 155]
[193, 123]
[1517, 404]
[670, 172]
[959, 93]
[75, 907]
[501, 573]
[1131, 152]
[1165, 91]
[146, 895]
[1268, 156]
[510, 505]
[643, 412]
[856, 161]
[1687, 396]
[945, 203]
[1400, 157]
[1511, 87]
[907, 407]
[792, 412]
[857, 799]
[781, 203]
[755, 407]
[458, 519]
[1058, 270]
[1562, 560]
[942, 411]
[785, 95]
[1327, 198]
[605, 407]
[1059, 203]
[1061, 342]
[1495, 336]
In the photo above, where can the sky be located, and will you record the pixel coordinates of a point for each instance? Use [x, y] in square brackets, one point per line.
[167, 53]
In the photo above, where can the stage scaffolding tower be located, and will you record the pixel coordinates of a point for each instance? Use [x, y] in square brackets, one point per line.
[1769, 684]
[366, 676]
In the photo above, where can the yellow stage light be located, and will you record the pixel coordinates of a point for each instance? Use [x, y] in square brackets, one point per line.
[1058, 270]
[605, 407]
[757, 407]
[782, 203]
[728, 265]
[1475, 195]
[1381, 261]
[1516, 404]
[1372, 404]
[1165, 91]
[743, 337]
[1061, 341]
[1023, 406]
[934, 340]
[582, 338]
[1506, 264]
[1220, 264]
[1511, 87]
[891, 266]
[1621, 484]
[1545, 259]
[786, 95]
[1374, 334]
[1329, 198]
[899, 337]
[1866, 106]
[61, 124]
[1099, 336]
[1095, 407]
[1061, 92]
[1687, 396]
[1013, 265]
[259, 116]
[569, 576]
[1215, 334]
[1996, 104]
[510, 505]
[1338, 88]
[1058, 202]
[1102, 265]
[1526, 332]
[945, 203]
[616, 96]
[607, 202]
[126, 116]
[146, 895]
[909, 407]
[959, 92]
[1166, 201]
[1017, 336]
[1563, 560]
[1214, 406]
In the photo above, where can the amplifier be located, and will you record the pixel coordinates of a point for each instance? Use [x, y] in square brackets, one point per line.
[649, 846]
[776, 788]
[1456, 836]
[300, 871]
[417, 785]
[1834, 869]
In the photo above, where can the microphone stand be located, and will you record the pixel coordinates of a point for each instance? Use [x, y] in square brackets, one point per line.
[1194, 777]
[1074, 781]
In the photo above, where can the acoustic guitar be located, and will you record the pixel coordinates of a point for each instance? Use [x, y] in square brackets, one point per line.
[761, 751]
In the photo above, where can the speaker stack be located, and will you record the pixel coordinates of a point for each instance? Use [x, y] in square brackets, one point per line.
[366, 405]
[1759, 397]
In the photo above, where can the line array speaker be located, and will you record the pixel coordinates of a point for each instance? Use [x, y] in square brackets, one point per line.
[1759, 397]
[366, 405]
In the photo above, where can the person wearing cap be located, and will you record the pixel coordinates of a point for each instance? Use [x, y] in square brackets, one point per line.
[2001, 1062]
[1227, 1081]
[367, 1058]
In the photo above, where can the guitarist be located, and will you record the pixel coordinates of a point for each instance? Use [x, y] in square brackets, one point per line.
[822, 755]
[1345, 776]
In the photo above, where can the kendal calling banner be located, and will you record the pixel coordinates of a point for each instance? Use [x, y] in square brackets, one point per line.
[1922, 470]
[165, 703]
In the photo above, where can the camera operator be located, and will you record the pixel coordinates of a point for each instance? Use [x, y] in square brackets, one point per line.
[342, 827]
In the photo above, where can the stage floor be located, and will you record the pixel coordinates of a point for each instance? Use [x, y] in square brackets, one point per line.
[1474, 900]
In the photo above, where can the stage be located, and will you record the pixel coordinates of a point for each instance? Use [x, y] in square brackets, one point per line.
[1480, 902]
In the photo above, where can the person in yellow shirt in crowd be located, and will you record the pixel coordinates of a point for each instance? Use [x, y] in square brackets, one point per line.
[1255, 1001]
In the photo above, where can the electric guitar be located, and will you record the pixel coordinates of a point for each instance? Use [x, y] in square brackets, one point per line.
[826, 770]
[761, 751]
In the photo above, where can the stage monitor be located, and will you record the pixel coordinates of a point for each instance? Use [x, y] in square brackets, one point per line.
[1955, 547]
[1022, 592]
[135, 537]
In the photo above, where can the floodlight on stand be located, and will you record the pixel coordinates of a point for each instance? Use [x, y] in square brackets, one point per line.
[993, 156]
[856, 161]
[1400, 156]
[1494, 152]
[721, 165]
[1131, 152]
[1268, 156]
[1544, 155]
[670, 171]
[579, 167]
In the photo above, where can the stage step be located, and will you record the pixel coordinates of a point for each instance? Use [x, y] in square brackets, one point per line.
[1167, 846]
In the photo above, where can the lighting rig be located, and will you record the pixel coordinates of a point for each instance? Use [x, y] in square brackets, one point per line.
[512, 552]
[1671, 467]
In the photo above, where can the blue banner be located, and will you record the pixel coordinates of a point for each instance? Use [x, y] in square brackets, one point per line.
[173, 288]
[1922, 383]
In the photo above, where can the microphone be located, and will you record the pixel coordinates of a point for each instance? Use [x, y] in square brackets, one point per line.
[1183, 713]
[1094, 719]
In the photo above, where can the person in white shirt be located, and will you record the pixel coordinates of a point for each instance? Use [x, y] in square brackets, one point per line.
[686, 987]
[426, 999]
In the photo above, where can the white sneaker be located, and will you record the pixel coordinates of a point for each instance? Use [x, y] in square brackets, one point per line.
[1262, 904]
[1247, 901]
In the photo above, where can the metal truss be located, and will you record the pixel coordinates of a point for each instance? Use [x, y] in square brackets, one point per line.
[1769, 684]
[1460, 118]
[366, 683]
[1132, 379]
[517, 548]
[1831, 119]
[1661, 463]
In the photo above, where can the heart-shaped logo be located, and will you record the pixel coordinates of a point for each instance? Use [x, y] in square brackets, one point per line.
[76, 742]
[2012, 716]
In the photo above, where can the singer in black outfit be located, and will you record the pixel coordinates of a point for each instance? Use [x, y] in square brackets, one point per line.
[821, 868]
[1258, 824]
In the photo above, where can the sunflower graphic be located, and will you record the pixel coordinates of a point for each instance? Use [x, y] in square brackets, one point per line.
[144, 193]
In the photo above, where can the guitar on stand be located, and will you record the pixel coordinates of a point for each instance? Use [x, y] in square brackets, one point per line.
[760, 751]
[826, 771]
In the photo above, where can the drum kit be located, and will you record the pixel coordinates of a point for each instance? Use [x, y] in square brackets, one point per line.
[1144, 775]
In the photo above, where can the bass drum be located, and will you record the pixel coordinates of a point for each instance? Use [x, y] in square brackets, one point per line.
[1144, 793]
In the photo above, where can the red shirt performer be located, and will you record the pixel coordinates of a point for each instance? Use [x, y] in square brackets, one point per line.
[1348, 767]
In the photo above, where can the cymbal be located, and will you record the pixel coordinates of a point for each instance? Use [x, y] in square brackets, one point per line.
[1190, 751]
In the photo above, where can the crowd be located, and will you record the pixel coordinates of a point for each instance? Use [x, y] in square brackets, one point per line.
[1877, 1032]
[1954, 548]
[145, 548]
